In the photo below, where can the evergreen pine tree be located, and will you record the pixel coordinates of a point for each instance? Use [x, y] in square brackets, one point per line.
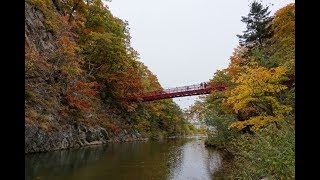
[258, 27]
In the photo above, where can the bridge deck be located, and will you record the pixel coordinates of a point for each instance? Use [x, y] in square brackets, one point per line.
[196, 89]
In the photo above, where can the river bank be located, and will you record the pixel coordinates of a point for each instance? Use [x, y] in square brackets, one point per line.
[39, 140]
[76, 136]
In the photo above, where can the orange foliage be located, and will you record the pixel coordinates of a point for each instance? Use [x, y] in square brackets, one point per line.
[237, 61]
[114, 127]
[128, 88]
[79, 95]
[67, 46]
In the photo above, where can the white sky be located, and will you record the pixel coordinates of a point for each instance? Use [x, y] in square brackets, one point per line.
[184, 42]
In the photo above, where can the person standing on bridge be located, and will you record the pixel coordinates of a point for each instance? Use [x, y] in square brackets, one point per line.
[205, 85]
[201, 85]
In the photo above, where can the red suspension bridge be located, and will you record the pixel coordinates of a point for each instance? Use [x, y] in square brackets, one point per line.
[196, 89]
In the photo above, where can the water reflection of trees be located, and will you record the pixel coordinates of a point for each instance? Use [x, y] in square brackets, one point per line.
[213, 161]
[58, 163]
[135, 160]
[150, 160]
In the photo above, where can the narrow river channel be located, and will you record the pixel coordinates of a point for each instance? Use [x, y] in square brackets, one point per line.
[172, 159]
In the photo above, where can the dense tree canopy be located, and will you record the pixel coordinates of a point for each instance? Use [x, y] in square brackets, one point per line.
[254, 117]
[94, 68]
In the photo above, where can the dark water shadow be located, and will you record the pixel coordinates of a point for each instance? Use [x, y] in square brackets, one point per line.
[168, 159]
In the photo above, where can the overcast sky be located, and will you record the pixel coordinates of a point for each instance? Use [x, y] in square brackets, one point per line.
[184, 42]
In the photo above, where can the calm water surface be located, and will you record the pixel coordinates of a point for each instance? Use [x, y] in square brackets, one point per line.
[176, 159]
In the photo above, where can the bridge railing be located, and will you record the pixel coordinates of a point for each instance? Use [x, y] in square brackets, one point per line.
[204, 85]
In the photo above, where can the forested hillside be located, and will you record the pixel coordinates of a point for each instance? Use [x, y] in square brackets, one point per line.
[254, 117]
[80, 73]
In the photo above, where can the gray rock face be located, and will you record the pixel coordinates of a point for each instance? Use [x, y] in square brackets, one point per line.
[38, 140]
[34, 27]
[90, 136]
[104, 133]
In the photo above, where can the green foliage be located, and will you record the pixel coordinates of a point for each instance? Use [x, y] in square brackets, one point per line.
[215, 116]
[51, 18]
[222, 134]
[269, 153]
[163, 116]
[258, 26]
[109, 59]
[190, 129]
[158, 118]
[281, 46]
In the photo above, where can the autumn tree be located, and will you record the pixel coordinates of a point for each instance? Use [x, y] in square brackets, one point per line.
[108, 56]
[282, 48]
[254, 116]
[253, 98]
[79, 95]
[237, 60]
[163, 117]
[66, 58]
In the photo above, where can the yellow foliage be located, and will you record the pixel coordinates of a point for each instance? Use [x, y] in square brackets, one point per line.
[143, 126]
[284, 22]
[255, 89]
[283, 40]
[255, 122]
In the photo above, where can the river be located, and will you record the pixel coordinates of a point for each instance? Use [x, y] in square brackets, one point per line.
[176, 159]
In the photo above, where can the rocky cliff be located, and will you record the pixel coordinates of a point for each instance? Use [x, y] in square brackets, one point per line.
[48, 127]
[39, 140]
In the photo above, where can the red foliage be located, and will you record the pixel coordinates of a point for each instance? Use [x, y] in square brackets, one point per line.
[114, 127]
[79, 95]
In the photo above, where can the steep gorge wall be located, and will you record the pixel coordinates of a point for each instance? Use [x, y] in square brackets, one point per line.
[46, 129]
[39, 140]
